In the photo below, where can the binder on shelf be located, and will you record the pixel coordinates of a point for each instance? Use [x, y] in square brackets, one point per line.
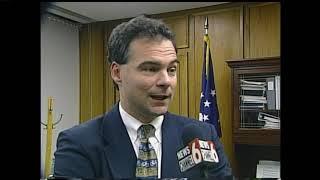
[268, 117]
[277, 89]
[271, 93]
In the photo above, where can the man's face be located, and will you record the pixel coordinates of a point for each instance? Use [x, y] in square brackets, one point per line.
[148, 80]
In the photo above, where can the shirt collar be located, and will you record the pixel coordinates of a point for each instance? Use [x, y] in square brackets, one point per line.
[132, 124]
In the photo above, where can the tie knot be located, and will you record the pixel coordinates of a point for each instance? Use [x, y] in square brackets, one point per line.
[146, 131]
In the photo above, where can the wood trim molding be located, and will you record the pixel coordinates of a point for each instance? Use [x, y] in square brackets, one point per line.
[67, 13]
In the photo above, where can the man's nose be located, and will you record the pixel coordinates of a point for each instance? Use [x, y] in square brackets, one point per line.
[164, 79]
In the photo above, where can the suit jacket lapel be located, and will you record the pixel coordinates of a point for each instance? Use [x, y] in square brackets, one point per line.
[119, 152]
[171, 143]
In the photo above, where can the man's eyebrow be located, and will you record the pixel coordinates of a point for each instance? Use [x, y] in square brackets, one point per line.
[149, 63]
[175, 61]
[156, 63]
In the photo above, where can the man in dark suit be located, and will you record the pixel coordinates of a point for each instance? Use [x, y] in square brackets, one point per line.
[143, 64]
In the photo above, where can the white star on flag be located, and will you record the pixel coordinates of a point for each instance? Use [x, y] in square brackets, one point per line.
[201, 95]
[207, 103]
[205, 117]
[213, 92]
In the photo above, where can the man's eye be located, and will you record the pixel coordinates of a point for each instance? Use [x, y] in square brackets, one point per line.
[172, 70]
[150, 69]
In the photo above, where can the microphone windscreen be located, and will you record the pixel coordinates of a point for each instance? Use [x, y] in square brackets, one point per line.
[190, 132]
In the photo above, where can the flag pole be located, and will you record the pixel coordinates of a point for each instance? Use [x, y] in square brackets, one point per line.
[206, 26]
[205, 173]
[206, 39]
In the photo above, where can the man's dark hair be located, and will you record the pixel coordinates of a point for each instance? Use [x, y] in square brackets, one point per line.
[139, 27]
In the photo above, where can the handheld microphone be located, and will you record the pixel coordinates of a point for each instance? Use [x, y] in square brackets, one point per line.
[196, 151]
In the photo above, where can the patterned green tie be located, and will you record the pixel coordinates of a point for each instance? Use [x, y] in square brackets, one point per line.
[147, 163]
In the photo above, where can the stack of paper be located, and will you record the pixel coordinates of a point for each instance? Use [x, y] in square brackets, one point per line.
[252, 94]
[268, 169]
[252, 85]
[271, 122]
[253, 99]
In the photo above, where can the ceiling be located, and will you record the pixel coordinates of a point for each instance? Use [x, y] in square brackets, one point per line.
[86, 12]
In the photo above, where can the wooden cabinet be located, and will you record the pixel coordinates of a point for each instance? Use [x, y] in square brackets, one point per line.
[256, 112]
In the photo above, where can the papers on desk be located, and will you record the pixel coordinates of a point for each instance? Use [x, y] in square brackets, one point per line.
[268, 169]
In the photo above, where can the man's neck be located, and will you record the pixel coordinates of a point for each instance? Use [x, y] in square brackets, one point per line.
[139, 116]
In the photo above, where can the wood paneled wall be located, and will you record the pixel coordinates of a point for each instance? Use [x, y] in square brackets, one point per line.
[92, 71]
[236, 30]
[262, 30]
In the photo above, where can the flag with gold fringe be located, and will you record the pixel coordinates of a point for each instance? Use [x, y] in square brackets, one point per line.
[208, 101]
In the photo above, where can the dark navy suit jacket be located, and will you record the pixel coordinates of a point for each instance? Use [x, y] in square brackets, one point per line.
[101, 148]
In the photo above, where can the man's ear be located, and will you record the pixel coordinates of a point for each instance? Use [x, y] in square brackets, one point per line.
[115, 73]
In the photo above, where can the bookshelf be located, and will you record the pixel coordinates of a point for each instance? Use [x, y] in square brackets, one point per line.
[256, 112]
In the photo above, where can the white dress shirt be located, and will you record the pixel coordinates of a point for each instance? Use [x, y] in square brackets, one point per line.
[132, 125]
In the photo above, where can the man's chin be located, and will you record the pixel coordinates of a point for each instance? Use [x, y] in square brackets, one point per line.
[159, 110]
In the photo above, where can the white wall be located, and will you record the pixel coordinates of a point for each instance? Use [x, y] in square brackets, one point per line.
[59, 75]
